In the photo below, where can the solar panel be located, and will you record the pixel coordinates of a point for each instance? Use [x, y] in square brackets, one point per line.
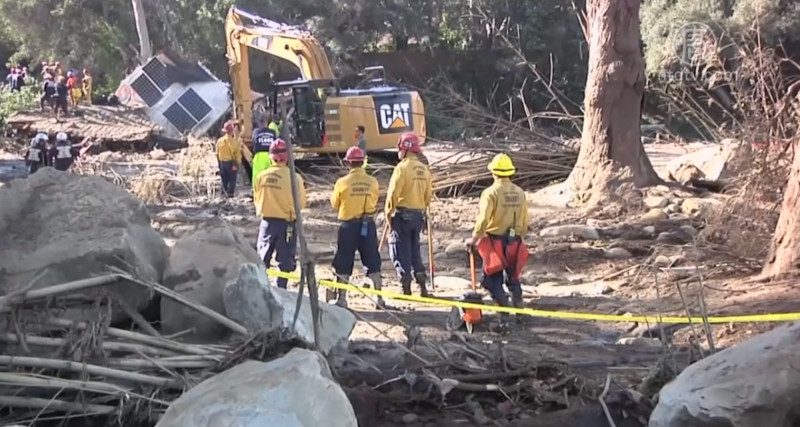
[157, 73]
[146, 90]
[194, 104]
[179, 118]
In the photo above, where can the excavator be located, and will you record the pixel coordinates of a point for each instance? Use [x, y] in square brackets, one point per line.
[320, 115]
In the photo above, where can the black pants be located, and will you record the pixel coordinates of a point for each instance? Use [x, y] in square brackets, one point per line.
[350, 240]
[404, 243]
[277, 237]
[228, 176]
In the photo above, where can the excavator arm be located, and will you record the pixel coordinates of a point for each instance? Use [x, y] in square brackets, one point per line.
[243, 31]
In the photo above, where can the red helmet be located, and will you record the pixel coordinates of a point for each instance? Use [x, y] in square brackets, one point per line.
[229, 126]
[408, 142]
[277, 151]
[354, 154]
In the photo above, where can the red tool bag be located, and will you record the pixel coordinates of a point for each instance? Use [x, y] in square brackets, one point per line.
[498, 257]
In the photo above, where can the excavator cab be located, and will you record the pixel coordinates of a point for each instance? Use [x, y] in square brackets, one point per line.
[306, 119]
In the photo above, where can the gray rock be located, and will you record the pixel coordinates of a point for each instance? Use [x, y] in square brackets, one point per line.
[652, 202]
[159, 154]
[640, 342]
[697, 206]
[200, 266]
[675, 237]
[296, 390]
[679, 216]
[70, 227]
[671, 209]
[455, 247]
[581, 231]
[259, 306]
[617, 253]
[172, 215]
[754, 383]
[688, 229]
[653, 215]
[409, 418]
[649, 230]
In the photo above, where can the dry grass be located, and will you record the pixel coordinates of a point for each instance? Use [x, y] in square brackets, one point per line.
[199, 165]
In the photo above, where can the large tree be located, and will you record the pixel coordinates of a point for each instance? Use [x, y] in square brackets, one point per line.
[611, 147]
[784, 252]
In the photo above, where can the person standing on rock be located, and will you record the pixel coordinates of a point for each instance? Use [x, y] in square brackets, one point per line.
[355, 197]
[229, 156]
[36, 155]
[497, 235]
[410, 192]
[61, 98]
[86, 83]
[275, 205]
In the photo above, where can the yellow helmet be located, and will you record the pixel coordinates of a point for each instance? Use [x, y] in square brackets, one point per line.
[501, 165]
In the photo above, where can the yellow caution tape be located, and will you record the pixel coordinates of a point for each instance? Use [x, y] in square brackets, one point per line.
[649, 318]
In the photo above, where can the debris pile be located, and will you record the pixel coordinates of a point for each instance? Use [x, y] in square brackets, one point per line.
[111, 126]
[535, 168]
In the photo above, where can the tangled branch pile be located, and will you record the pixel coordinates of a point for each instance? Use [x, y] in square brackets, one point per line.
[454, 177]
[54, 367]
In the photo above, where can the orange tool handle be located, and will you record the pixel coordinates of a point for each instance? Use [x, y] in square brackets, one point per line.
[472, 269]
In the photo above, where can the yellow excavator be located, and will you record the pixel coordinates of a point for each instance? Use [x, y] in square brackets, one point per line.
[319, 115]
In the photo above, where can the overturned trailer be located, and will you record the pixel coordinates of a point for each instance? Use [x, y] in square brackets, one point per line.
[179, 96]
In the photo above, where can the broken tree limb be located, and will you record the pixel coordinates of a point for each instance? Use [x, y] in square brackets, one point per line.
[106, 345]
[137, 337]
[43, 381]
[63, 288]
[156, 363]
[59, 405]
[66, 365]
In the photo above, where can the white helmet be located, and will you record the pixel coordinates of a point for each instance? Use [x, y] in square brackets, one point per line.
[41, 136]
[61, 136]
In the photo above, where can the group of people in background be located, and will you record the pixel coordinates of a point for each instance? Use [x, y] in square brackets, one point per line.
[501, 223]
[61, 91]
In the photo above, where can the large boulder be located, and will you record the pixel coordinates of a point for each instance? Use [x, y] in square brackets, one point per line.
[296, 390]
[753, 384]
[713, 162]
[199, 267]
[69, 227]
[253, 302]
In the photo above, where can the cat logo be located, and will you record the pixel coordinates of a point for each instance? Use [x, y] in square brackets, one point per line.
[394, 113]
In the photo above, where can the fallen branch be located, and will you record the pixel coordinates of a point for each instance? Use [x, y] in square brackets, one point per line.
[66, 365]
[106, 345]
[58, 405]
[135, 336]
[603, 402]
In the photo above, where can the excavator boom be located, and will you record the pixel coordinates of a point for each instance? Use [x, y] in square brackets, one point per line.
[293, 44]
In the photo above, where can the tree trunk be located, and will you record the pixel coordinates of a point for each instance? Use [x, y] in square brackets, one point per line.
[145, 51]
[611, 139]
[784, 252]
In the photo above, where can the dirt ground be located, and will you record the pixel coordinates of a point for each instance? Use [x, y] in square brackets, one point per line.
[564, 273]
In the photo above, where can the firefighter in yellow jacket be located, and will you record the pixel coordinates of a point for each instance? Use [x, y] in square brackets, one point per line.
[275, 205]
[355, 198]
[229, 156]
[501, 223]
[410, 192]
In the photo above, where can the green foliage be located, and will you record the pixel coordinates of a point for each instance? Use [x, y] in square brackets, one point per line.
[13, 102]
[773, 21]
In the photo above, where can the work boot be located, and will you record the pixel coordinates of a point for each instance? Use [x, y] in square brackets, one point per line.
[341, 299]
[377, 283]
[516, 299]
[422, 280]
[406, 282]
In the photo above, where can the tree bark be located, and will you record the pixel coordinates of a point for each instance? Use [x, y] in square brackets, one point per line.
[611, 140]
[145, 51]
[784, 252]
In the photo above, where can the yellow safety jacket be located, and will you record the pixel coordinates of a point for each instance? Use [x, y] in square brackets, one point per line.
[229, 148]
[355, 195]
[272, 194]
[502, 208]
[410, 186]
